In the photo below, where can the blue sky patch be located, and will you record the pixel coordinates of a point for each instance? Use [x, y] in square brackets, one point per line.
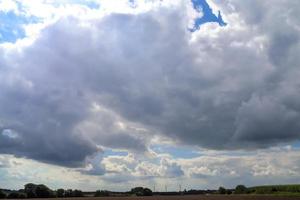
[11, 26]
[90, 4]
[296, 145]
[110, 152]
[176, 152]
[208, 15]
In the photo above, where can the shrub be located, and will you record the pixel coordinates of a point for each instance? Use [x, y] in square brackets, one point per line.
[22, 196]
[13, 195]
[2, 195]
[228, 192]
[222, 190]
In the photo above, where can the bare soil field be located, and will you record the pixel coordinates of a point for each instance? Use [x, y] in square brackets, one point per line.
[194, 197]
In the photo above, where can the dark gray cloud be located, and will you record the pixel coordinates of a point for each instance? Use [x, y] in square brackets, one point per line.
[268, 121]
[205, 102]
[236, 89]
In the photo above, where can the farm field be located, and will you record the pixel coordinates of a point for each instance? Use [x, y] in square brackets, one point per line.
[194, 197]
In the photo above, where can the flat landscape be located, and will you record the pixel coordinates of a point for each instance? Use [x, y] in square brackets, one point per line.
[150, 99]
[190, 197]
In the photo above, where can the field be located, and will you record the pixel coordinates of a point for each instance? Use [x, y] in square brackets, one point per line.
[195, 197]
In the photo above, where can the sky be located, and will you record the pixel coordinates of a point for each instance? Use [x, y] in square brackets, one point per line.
[101, 94]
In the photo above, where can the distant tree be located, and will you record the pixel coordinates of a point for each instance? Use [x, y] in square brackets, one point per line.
[240, 189]
[31, 194]
[222, 190]
[30, 190]
[140, 191]
[13, 195]
[77, 193]
[22, 195]
[147, 192]
[101, 193]
[21, 191]
[68, 193]
[37, 191]
[42, 191]
[2, 195]
[228, 192]
[29, 186]
[60, 193]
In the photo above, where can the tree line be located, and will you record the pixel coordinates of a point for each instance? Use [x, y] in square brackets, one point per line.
[42, 191]
[267, 189]
[39, 191]
[137, 191]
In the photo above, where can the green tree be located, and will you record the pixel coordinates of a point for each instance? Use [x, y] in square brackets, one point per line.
[37, 191]
[222, 190]
[101, 193]
[147, 192]
[77, 193]
[42, 191]
[13, 195]
[30, 190]
[68, 193]
[60, 193]
[140, 191]
[228, 192]
[22, 195]
[240, 189]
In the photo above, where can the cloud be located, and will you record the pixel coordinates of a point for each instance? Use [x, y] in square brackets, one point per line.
[266, 119]
[170, 169]
[210, 170]
[233, 87]
[4, 163]
[44, 107]
[229, 169]
[108, 129]
[94, 166]
[136, 167]
[208, 16]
